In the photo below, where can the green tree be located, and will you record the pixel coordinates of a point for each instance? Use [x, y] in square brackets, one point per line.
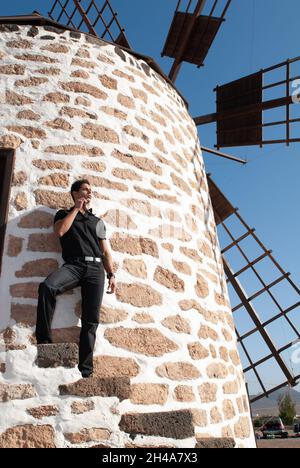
[287, 409]
[261, 420]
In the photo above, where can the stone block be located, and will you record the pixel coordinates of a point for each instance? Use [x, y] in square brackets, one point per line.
[57, 355]
[95, 386]
[172, 424]
[216, 443]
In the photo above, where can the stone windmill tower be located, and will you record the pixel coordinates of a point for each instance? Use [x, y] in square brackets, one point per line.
[167, 370]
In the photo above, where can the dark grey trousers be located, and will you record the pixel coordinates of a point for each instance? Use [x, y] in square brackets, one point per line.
[91, 277]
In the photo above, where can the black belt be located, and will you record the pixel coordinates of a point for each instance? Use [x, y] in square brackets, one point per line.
[84, 259]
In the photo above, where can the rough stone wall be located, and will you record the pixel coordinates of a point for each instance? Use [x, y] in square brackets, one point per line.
[166, 363]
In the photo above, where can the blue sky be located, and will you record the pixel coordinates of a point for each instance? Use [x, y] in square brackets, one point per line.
[257, 34]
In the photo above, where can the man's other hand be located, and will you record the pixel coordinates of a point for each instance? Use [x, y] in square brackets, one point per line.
[111, 285]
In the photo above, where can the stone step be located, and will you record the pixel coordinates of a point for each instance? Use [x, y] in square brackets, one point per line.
[97, 386]
[216, 443]
[57, 355]
[171, 424]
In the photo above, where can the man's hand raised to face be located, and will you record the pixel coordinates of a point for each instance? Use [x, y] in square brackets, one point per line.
[80, 203]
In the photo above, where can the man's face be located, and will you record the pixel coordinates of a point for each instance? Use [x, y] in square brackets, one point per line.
[85, 192]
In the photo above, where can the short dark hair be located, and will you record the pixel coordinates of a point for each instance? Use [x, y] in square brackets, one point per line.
[76, 186]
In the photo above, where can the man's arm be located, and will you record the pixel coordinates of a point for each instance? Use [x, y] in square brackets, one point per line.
[107, 258]
[62, 226]
[108, 264]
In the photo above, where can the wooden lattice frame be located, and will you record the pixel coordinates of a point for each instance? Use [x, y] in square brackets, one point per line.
[79, 13]
[224, 211]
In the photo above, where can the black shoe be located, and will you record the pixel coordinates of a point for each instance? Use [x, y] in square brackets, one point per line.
[86, 375]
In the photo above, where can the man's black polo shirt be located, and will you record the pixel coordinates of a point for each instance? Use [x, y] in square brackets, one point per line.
[82, 239]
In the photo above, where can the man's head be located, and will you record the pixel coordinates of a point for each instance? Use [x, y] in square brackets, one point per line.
[81, 189]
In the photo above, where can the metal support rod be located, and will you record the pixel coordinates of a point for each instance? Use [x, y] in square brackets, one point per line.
[288, 105]
[223, 155]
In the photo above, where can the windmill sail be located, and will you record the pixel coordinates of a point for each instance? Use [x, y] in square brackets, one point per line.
[267, 314]
[191, 34]
[88, 16]
[243, 108]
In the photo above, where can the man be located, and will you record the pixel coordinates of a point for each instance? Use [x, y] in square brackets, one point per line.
[86, 254]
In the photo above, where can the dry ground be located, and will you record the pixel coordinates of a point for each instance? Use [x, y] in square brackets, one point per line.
[279, 443]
